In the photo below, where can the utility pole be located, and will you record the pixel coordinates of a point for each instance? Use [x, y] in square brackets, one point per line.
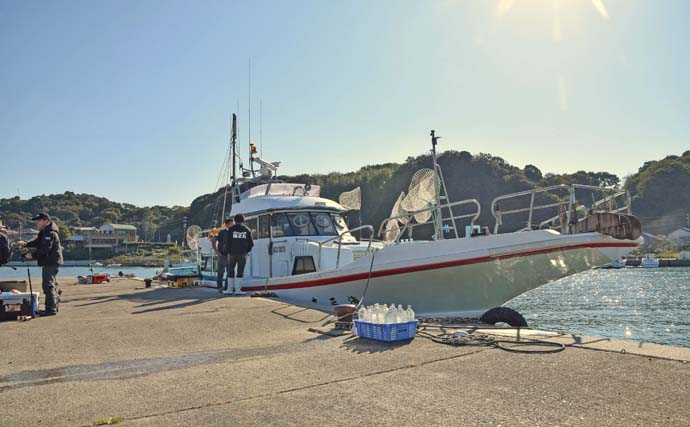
[184, 230]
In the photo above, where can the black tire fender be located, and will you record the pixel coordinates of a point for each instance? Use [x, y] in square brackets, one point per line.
[505, 315]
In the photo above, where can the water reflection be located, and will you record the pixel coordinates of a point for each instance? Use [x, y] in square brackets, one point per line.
[632, 303]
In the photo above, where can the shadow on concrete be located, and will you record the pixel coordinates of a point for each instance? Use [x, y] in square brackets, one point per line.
[363, 345]
[159, 299]
[578, 340]
[299, 314]
[135, 368]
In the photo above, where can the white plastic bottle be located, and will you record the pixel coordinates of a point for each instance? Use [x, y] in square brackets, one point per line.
[402, 316]
[410, 313]
[392, 316]
[375, 313]
[362, 314]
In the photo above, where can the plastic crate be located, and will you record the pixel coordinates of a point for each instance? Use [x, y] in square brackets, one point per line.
[14, 305]
[99, 279]
[387, 332]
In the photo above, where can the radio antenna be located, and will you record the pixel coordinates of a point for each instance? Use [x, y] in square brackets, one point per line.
[250, 100]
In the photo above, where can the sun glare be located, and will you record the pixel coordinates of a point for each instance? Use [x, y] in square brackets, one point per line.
[601, 8]
[504, 7]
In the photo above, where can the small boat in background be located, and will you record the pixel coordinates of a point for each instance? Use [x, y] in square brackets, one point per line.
[617, 264]
[649, 261]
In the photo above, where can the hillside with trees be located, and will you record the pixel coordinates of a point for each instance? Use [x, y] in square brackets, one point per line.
[84, 210]
[659, 188]
[661, 193]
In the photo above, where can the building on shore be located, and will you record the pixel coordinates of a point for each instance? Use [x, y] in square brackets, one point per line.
[110, 237]
[119, 233]
[681, 237]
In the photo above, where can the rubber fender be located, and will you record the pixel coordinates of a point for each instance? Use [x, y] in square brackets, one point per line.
[505, 315]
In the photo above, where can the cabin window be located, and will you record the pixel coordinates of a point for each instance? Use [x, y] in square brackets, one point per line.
[252, 224]
[340, 224]
[303, 264]
[324, 224]
[281, 226]
[302, 224]
[264, 226]
[306, 224]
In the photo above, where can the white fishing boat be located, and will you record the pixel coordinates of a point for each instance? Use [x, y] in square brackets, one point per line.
[614, 265]
[305, 254]
[649, 261]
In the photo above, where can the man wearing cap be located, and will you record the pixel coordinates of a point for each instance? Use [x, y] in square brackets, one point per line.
[221, 281]
[48, 253]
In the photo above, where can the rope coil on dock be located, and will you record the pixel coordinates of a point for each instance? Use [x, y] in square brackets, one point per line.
[463, 338]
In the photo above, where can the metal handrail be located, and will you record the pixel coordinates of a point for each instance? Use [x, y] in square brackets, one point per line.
[339, 238]
[571, 200]
[448, 206]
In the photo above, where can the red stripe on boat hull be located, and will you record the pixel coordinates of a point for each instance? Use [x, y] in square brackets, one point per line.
[435, 266]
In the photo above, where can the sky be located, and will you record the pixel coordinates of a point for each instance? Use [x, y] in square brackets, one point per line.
[131, 100]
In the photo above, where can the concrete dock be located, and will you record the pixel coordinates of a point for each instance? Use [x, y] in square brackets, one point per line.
[120, 352]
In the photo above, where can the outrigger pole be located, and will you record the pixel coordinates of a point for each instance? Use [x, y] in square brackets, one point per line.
[437, 190]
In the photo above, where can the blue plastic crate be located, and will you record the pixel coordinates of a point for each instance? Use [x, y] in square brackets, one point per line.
[387, 332]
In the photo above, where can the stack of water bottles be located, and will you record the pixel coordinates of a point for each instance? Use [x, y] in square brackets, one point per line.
[386, 323]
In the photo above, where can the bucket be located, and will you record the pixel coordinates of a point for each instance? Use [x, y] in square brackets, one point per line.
[344, 314]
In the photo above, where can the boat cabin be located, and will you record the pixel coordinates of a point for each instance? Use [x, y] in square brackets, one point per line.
[295, 231]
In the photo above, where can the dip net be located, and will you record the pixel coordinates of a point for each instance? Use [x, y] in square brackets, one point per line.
[351, 200]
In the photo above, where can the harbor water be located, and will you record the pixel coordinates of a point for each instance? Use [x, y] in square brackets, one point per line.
[65, 271]
[651, 305]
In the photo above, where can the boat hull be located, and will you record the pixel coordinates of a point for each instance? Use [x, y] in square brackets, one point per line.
[458, 277]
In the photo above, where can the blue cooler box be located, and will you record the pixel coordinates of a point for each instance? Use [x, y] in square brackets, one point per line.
[387, 331]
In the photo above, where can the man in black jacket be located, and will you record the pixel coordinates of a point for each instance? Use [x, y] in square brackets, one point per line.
[48, 253]
[238, 244]
[218, 246]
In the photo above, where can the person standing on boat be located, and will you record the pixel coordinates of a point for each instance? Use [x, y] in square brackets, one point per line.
[238, 244]
[219, 249]
[48, 253]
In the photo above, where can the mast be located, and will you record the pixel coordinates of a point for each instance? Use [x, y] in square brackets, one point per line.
[437, 190]
[233, 141]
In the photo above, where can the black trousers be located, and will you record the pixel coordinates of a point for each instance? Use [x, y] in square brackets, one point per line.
[221, 281]
[50, 291]
[236, 260]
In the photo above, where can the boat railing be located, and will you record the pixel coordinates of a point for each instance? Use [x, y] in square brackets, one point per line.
[409, 224]
[340, 242]
[609, 203]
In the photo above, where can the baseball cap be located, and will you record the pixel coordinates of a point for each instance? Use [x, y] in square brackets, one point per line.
[41, 215]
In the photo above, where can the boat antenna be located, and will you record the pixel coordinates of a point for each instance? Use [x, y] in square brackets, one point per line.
[252, 150]
[261, 129]
[234, 142]
[437, 189]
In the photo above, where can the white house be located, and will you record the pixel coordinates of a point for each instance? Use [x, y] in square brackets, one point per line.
[680, 236]
[120, 233]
